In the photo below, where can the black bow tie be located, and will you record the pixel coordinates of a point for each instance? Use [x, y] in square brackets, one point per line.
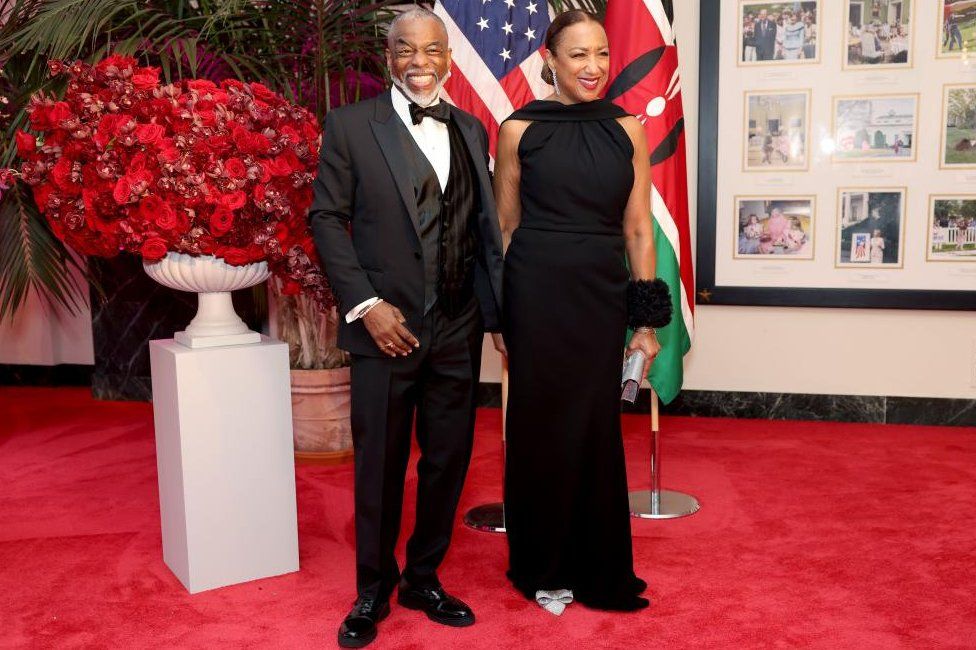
[439, 112]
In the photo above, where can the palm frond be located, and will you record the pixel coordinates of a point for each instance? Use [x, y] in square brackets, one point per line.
[31, 258]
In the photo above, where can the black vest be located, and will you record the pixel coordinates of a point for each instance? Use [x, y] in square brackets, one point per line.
[448, 224]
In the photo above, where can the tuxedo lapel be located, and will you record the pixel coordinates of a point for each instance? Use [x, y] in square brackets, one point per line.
[470, 134]
[386, 129]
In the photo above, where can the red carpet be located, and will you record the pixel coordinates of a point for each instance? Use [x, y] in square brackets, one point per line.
[813, 535]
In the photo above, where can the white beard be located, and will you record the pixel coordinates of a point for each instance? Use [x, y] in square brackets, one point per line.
[421, 100]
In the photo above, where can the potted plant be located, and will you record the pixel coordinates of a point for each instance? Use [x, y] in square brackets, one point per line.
[320, 394]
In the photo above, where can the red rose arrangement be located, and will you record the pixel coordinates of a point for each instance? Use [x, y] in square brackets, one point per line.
[125, 163]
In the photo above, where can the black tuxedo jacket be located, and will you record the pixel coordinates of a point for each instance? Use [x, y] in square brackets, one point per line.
[365, 222]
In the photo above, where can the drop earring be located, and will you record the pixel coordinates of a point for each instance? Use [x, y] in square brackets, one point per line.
[555, 81]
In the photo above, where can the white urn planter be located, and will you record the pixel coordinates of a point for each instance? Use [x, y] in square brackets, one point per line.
[216, 323]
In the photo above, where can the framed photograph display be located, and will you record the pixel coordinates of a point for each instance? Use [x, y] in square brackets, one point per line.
[958, 126]
[956, 34]
[952, 228]
[776, 130]
[774, 227]
[772, 33]
[870, 227]
[878, 33]
[881, 127]
[856, 137]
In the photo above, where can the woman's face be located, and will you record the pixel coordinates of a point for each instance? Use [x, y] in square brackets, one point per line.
[581, 61]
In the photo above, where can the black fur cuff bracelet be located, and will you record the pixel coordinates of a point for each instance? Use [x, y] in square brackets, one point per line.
[648, 303]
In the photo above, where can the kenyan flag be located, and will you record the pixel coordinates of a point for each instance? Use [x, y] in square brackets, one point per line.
[645, 82]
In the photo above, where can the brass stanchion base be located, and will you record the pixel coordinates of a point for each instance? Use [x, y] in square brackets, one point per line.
[671, 505]
[488, 518]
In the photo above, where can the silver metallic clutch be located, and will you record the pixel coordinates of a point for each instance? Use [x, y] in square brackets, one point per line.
[631, 380]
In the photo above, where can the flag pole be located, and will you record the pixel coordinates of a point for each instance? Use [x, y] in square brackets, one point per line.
[657, 503]
[490, 517]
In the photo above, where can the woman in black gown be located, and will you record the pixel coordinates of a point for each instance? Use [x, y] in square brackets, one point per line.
[572, 183]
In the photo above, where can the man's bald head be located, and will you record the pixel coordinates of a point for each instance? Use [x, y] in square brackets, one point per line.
[417, 54]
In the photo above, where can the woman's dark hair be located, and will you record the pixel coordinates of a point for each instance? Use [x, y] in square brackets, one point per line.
[559, 23]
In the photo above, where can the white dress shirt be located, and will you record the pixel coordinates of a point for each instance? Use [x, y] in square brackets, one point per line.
[434, 141]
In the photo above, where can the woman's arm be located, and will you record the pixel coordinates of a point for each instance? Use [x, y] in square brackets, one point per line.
[638, 235]
[639, 238]
[508, 174]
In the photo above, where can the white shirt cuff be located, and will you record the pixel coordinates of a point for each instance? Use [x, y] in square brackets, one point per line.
[360, 310]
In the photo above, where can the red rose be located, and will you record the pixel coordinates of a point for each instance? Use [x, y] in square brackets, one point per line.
[259, 144]
[262, 91]
[232, 255]
[149, 207]
[233, 201]
[136, 164]
[310, 129]
[240, 136]
[235, 168]
[61, 173]
[201, 85]
[154, 248]
[291, 134]
[146, 78]
[106, 129]
[221, 221]
[166, 217]
[122, 191]
[60, 112]
[232, 84]
[279, 166]
[168, 153]
[220, 144]
[26, 144]
[208, 117]
[151, 134]
[259, 192]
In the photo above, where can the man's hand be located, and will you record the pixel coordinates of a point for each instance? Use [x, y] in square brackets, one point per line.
[385, 324]
[499, 342]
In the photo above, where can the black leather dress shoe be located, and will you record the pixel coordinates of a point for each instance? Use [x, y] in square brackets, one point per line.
[439, 606]
[359, 628]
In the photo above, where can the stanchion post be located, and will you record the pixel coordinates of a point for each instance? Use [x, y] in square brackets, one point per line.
[656, 503]
[490, 517]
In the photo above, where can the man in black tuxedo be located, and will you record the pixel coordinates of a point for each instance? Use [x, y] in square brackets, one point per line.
[765, 34]
[405, 224]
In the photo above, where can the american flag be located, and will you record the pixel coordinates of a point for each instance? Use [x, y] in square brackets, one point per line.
[496, 56]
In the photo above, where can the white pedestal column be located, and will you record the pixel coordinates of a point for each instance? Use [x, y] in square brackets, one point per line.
[225, 458]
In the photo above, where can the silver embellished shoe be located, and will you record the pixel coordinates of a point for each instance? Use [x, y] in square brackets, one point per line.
[555, 601]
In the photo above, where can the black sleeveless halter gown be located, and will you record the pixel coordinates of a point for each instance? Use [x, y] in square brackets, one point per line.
[565, 284]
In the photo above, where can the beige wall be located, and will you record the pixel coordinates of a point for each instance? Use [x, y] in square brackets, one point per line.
[790, 350]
